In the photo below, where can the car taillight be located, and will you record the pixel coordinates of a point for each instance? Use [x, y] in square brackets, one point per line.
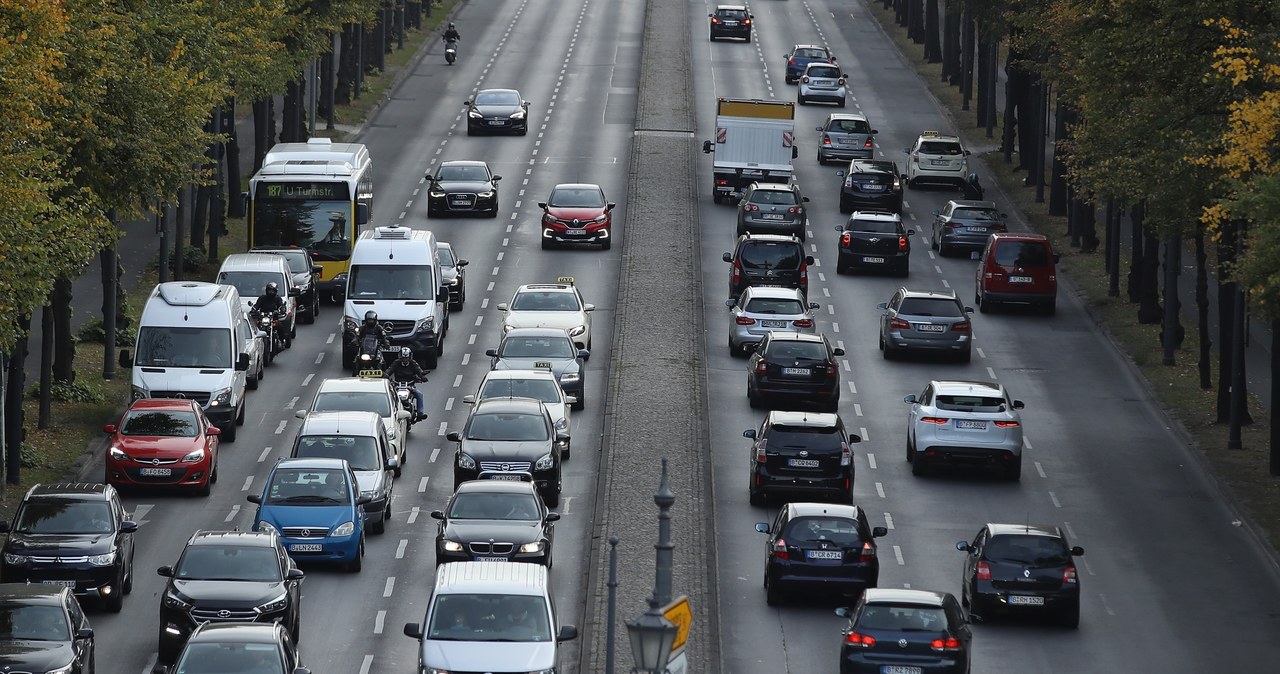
[826, 140]
[802, 323]
[746, 320]
[860, 640]
[750, 208]
[1007, 424]
[804, 276]
[721, 182]
[951, 224]
[840, 81]
[780, 549]
[1069, 575]
[791, 61]
[805, 79]
[915, 158]
[983, 571]
[899, 324]
[846, 458]
[845, 239]
[948, 644]
[832, 371]
[868, 553]
[934, 420]
[962, 326]
[868, 142]
[902, 243]
[796, 209]
[746, 22]
[760, 456]
[715, 20]
[737, 272]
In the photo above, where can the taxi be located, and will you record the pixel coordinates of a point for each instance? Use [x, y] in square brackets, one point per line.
[550, 305]
[937, 158]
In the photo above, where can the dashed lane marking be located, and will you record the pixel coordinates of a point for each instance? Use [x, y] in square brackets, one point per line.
[435, 452]
[422, 484]
[235, 510]
[413, 515]
[401, 547]
[1054, 497]
[871, 460]
[389, 587]
[897, 554]
[307, 379]
[379, 621]
[880, 489]
[248, 482]
[1040, 470]
[457, 381]
[280, 428]
[263, 456]
[888, 521]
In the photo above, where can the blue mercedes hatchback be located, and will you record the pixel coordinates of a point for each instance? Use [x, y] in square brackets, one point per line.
[316, 507]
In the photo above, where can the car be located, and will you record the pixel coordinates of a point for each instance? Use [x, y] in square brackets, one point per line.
[801, 56]
[360, 439]
[965, 224]
[1017, 269]
[366, 394]
[964, 423]
[577, 213]
[772, 208]
[874, 240]
[1020, 569]
[494, 110]
[316, 507]
[491, 520]
[544, 349]
[505, 437]
[76, 535]
[819, 548]
[218, 648]
[249, 274]
[462, 187]
[768, 260]
[453, 271]
[306, 277]
[550, 305]
[762, 309]
[44, 630]
[163, 442]
[937, 158]
[893, 630]
[730, 21]
[822, 82]
[870, 183]
[794, 368]
[933, 321]
[801, 453]
[228, 577]
[845, 136]
[537, 384]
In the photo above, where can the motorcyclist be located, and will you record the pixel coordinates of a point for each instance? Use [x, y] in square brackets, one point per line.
[972, 189]
[406, 369]
[269, 301]
[370, 326]
[451, 34]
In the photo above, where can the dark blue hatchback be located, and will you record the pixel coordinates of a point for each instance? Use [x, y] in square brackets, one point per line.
[821, 548]
[802, 55]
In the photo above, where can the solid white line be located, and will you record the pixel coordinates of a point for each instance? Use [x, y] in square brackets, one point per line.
[400, 548]
[871, 460]
[1040, 469]
[897, 553]
[248, 482]
[263, 456]
[307, 379]
[413, 515]
[435, 452]
[389, 587]
[888, 521]
[319, 357]
[422, 484]
[1054, 497]
[379, 621]
[235, 510]
[880, 489]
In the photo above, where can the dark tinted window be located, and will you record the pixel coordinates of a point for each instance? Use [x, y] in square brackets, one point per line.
[28, 622]
[308, 486]
[804, 437]
[463, 173]
[903, 618]
[490, 617]
[848, 125]
[229, 562]
[769, 305]
[533, 300]
[501, 427]
[219, 658]
[786, 349]
[970, 403]
[498, 98]
[785, 197]
[151, 422]
[1028, 550]
[838, 531]
[1022, 254]
[732, 14]
[875, 226]
[987, 214]
[949, 147]
[811, 54]
[576, 197]
[57, 516]
[824, 71]
[446, 256]
[923, 306]
[770, 255]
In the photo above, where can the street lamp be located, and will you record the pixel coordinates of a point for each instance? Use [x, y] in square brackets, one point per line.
[652, 635]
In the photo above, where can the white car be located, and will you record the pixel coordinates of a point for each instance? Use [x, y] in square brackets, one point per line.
[937, 158]
[366, 394]
[822, 82]
[550, 305]
[964, 423]
[537, 384]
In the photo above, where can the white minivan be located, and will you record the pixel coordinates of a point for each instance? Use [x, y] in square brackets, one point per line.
[191, 343]
[251, 272]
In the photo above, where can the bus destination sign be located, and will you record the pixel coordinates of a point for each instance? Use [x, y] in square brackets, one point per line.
[330, 191]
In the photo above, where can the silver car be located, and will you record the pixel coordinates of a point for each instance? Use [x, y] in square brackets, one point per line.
[845, 136]
[762, 309]
[772, 208]
[822, 82]
[537, 384]
[964, 423]
[926, 320]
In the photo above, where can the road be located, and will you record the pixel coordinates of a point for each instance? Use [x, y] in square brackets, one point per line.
[1168, 583]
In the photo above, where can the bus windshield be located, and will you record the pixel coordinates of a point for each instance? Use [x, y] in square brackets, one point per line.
[324, 226]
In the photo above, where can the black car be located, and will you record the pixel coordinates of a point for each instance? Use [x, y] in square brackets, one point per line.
[74, 535]
[905, 631]
[820, 548]
[730, 21]
[773, 208]
[871, 183]
[793, 368]
[462, 187]
[306, 277]
[505, 437]
[43, 629]
[220, 648]
[497, 110]
[1016, 569]
[801, 453]
[768, 260]
[965, 224]
[874, 240]
[454, 273]
[228, 577]
[495, 520]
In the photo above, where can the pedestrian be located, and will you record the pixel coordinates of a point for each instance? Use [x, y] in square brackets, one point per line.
[972, 189]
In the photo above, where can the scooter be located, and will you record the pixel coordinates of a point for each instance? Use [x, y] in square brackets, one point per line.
[451, 51]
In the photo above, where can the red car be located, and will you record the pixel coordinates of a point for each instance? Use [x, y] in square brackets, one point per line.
[576, 213]
[163, 443]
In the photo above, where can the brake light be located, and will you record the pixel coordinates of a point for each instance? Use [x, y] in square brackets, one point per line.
[962, 326]
[780, 549]
[915, 158]
[899, 324]
[846, 239]
[984, 571]
[721, 182]
[846, 458]
[762, 367]
[1069, 575]
[951, 224]
[948, 644]
[715, 20]
[796, 209]
[832, 371]
[935, 420]
[746, 320]
[746, 22]
[804, 276]
[750, 208]
[868, 143]
[1007, 424]
[805, 79]
[826, 140]
[760, 457]
[860, 640]
[802, 323]
[791, 61]
[868, 553]
[736, 274]
[902, 243]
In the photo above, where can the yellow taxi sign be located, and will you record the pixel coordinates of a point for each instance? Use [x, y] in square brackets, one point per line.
[680, 615]
[930, 134]
[564, 279]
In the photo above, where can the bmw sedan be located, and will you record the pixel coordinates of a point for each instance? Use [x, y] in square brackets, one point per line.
[964, 423]
[495, 520]
[462, 188]
[497, 110]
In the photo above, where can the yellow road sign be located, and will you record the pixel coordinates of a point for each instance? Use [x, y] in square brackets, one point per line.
[680, 615]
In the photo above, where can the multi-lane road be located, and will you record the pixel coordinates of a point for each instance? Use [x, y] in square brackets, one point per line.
[1169, 583]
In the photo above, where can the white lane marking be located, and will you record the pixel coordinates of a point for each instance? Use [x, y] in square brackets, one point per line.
[990, 372]
[248, 482]
[981, 353]
[857, 409]
[831, 309]
[471, 340]
[888, 521]
[448, 404]
[484, 303]
[946, 283]
[495, 269]
[490, 286]
[292, 401]
[307, 379]
[479, 320]
[871, 460]
[235, 510]
[422, 484]
[280, 428]
[443, 426]
[367, 665]
[331, 337]
[845, 363]
[466, 358]
[1070, 532]
[826, 293]
[1105, 605]
[897, 554]
[822, 277]
[1040, 470]
[379, 621]
[839, 343]
[880, 489]
[937, 268]
[865, 435]
[1087, 568]
[263, 456]
[852, 388]
[435, 452]
[1026, 444]
[413, 515]
[457, 381]
[564, 510]
[140, 512]
[319, 357]
[835, 327]
[400, 548]
[389, 587]
[506, 241]
[501, 254]
[1054, 497]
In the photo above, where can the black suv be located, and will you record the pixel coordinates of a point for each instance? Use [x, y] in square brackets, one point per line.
[820, 548]
[228, 576]
[874, 240]
[1019, 568]
[794, 365]
[768, 260]
[730, 21]
[495, 520]
[306, 277]
[801, 453]
[43, 629]
[871, 183]
[74, 535]
[507, 437]
[230, 647]
[905, 630]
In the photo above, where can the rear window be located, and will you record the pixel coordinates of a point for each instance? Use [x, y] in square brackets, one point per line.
[838, 531]
[804, 437]
[940, 147]
[824, 71]
[810, 54]
[976, 214]
[849, 125]
[785, 197]
[770, 255]
[902, 618]
[1022, 254]
[920, 306]
[793, 350]
[876, 226]
[732, 14]
[970, 403]
[1029, 550]
[769, 305]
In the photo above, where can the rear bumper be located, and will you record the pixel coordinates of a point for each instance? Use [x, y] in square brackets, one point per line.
[774, 483]
[895, 260]
[803, 577]
[1022, 298]
[833, 152]
[959, 456]
[901, 341]
[1055, 601]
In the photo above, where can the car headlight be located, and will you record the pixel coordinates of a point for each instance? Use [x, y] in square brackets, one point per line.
[518, 114]
[117, 454]
[266, 527]
[193, 457]
[562, 424]
[344, 529]
[276, 604]
[369, 492]
[16, 560]
[486, 195]
[453, 281]
[547, 462]
[569, 376]
[436, 194]
[425, 324]
[172, 600]
[475, 114]
[535, 546]
[577, 330]
[465, 462]
[66, 669]
[599, 218]
[103, 560]
[138, 393]
[221, 397]
[452, 546]
[365, 357]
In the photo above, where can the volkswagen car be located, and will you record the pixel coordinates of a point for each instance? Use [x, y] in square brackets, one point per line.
[900, 631]
[163, 442]
[544, 349]
[964, 423]
[577, 213]
[495, 520]
[773, 208]
[550, 305]
[507, 439]
[462, 188]
[819, 548]
[497, 111]
[965, 225]
[316, 507]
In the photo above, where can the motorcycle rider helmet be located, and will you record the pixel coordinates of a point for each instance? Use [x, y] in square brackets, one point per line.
[371, 319]
[450, 26]
[271, 290]
[406, 355]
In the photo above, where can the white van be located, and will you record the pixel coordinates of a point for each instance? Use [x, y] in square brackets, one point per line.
[251, 272]
[395, 272]
[191, 344]
[490, 617]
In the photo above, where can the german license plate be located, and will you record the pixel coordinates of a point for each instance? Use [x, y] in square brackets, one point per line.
[575, 232]
[796, 370]
[510, 478]
[730, 23]
[771, 216]
[156, 472]
[929, 327]
[496, 122]
[825, 554]
[542, 365]
[370, 373]
[491, 559]
[802, 463]
[60, 583]
[1015, 600]
[900, 669]
[1019, 279]
[939, 162]
[979, 230]
[873, 260]
[976, 425]
[873, 188]
[305, 547]
[774, 324]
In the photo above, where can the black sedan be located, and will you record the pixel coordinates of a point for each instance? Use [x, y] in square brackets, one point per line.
[497, 110]
[870, 183]
[462, 188]
[874, 241]
[793, 368]
[822, 548]
[965, 224]
[1017, 569]
[43, 629]
[264, 648]
[495, 520]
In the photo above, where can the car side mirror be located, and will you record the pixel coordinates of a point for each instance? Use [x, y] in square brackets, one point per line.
[707, 147]
[393, 463]
[839, 228]
[402, 415]
[842, 612]
[260, 334]
[294, 292]
[111, 428]
[542, 204]
[937, 212]
[413, 630]
[805, 199]
[572, 400]
[301, 670]
[808, 259]
[502, 306]
[610, 206]
[437, 514]
[882, 305]
[128, 527]
[1018, 404]
[711, 16]
[584, 354]
[903, 177]
[492, 353]
[301, 414]
[561, 436]
[968, 310]
[242, 363]
[553, 517]
[762, 527]
[453, 436]
[727, 303]
[165, 571]
[838, 351]
[854, 438]
[495, 178]
[1076, 551]
[462, 263]
[877, 532]
[361, 500]
[362, 214]
[254, 498]
[294, 574]
[873, 131]
[966, 153]
[818, 129]
[467, 102]
[160, 669]
[840, 173]
[962, 546]
[567, 633]
[588, 307]
[749, 433]
[910, 399]
[317, 269]
[727, 257]
[469, 399]
[125, 359]
[911, 232]
[815, 305]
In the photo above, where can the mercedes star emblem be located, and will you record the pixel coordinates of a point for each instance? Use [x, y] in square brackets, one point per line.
[306, 533]
[180, 395]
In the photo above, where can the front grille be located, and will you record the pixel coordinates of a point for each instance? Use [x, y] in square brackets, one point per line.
[305, 532]
[223, 615]
[506, 467]
[201, 397]
[400, 327]
[81, 559]
[492, 548]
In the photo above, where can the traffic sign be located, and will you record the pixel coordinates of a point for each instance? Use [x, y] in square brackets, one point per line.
[680, 615]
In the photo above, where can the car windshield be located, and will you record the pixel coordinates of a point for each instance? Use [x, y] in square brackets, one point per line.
[873, 226]
[21, 622]
[970, 403]
[361, 451]
[183, 347]
[221, 658]
[463, 173]
[771, 255]
[248, 563]
[838, 531]
[490, 506]
[498, 98]
[446, 256]
[825, 438]
[810, 53]
[924, 306]
[545, 301]
[1021, 254]
[58, 516]
[983, 214]
[536, 347]
[391, 282]
[940, 147]
[353, 401]
[307, 486]
[576, 197]
[297, 259]
[489, 617]
[251, 283]
[849, 126]
[787, 349]
[824, 71]
[785, 197]
[160, 423]
[1027, 550]
[774, 305]
[902, 618]
[504, 427]
[545, 390]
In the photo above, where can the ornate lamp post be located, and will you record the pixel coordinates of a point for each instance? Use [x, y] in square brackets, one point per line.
[652, 635]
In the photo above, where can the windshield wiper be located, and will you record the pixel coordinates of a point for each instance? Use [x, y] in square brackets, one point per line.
[307, 498]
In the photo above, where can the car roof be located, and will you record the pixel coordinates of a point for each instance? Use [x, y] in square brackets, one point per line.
[741, 7]
[775, 292]
[32, 593]
[311, 462]
[820, 64]
[1024, 529]
[576, 186]
[536, 332]
[856, 116]
[1019, 236]
[336, 384]
[260, 539]
[876, 215]
[961, 386]
[884, 595]
[818, 509]
[171, 404]
[788, 335]
[463, 162]
[250, 261]
[513, 404]
[810, 46]
[876, 165]
[945, 293]
[774, 238]
[276, 250]
[495, 487]
[973, 203]
[545, 287]
[341, 423]
[498, 91]
[258, 633]
[805, 419]
[79, 491]
[490, 578]
[493, 375]
[781, 187]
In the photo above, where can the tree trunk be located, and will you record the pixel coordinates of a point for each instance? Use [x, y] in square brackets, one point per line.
[1273, 441]
[1226, 323]
[1133, 282]
[1086, 224]
[1058, 176]
[966, 63]
[110, 281]
[1113, 249]
[346, 59]
[289, 112]
[217, 205]
[15, 418]
[179, 212]
[901, 9]
[261, 133]
[45, 414]
[951, 43]
[1205, 363]
[1149, 311]
[235, 204]
[1172, 332]
[1014, 93]
[915, 22]
[64, 343]
[932, 48]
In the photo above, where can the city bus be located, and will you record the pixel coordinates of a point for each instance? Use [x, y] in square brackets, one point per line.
[316, 194]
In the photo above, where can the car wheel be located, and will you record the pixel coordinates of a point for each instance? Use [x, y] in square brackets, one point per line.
[752, 399]
[917, 466]
[431, 360]
[800, 100]
[772, 596]
[842, 267]
[733, 349]
[608, 243]
[240, 415]
[251, 383]
[1013, 472]
[564, 455]
[716, 198]
[911, 184]
[128, 577]
[755, 497]
[167, 653]
[309, 317]
[966, 356]
[1070, 618]
[840, 102]
[820, 160]
[524, 131]
[911, 450]
[470, 131]
[550, 560]
[378, 527]
[582, 400]
[711, 37]
[553, 499]
[354, 565]
[229, 434]
[943, 249]
[983, 307]
[206, 488]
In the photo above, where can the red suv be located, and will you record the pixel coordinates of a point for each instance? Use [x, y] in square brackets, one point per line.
[1017, 269]
[576, 213]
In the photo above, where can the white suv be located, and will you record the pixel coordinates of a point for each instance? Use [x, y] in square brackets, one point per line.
[937, 158]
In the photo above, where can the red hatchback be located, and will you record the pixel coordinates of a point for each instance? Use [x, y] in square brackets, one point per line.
[163, 443]
[576, 213]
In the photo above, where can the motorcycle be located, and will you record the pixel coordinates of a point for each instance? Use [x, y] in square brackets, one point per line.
[408, 401]
[369, 358]
[451, 51]
[270, 325]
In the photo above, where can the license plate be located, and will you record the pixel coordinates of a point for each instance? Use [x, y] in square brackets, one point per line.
[575, 232]
[496, 122]
[542, 364]
[928, 327]
[370, 373]
[491, 559]
[939, 162]
[156, 472]
[873, 188]
[899, 669]
[977, 425]
[873, 260]
[305, 547]
[1025, 601]
[771, 216]
[461, 201]
[1019, 279]
[825, 554]
[774, 324]
[979, 230]
[796, 370]
[803, 463]
[509, 478]
[730, 23]
[60, 583]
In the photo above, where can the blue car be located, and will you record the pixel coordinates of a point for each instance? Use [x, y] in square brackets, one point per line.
[316, 507]
[801, 56]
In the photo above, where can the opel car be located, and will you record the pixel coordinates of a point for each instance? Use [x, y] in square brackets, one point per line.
[462, 187]
[550, 305]
[497, 110]
[819, 548]
[544, 349]
[316, 507]
[577, 213]
[163, 442]
[773, 208]
[760, 310]
[495, 520]
[964, 423]
[506, 437]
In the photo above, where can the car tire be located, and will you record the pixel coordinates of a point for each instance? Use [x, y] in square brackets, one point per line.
[1013, 472]
[966, 356]
[983, 307]
[918, 467]
[354, 565]
[911, 450]
[205, 489]
[378, 527]
[493, 213]
[933, 240]
[523, 132]
[309, 317]
[229, 434]
[167, 654]
[553, 500]
[608, 243]
[564, 456]
[842, 267]
[820, 160]
[911, 184]
[547, 244]
[251, 383]
[582, 401]
[754, 497]
[753, 400]
[470, 131]
[240, 415]
[711, 37]
[772, 596]
[1051, 307]
[845, 207]
[1070, 618]
[800, 100]
[114, 603]
[943, 249]
[905, 271]
[733, 349]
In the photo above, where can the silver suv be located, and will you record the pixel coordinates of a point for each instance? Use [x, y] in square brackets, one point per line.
[772, 208]
[845, 136]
